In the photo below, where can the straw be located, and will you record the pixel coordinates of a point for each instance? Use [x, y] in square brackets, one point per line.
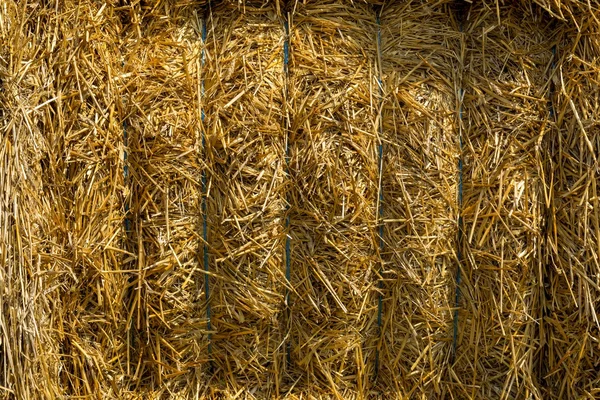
[246, 161]
[570, 325]
[420, 63]
[167, 313]
[334, 168]
[64, 322]
[508, 54]
[301, 200]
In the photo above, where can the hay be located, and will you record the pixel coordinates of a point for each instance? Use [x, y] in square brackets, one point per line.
[506, 58]
[570, 326]
[67, 331]
[166, 325]
[20, 182]
[420, 66]
[245, 157]
[573, 11]
[114, 114]
[108, 293]
[333, 196]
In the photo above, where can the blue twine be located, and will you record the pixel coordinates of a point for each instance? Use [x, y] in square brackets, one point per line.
[380, 211]
[126, 174]
[286, 47]
[204, 216]
[288, 267]
[460, 231]
[286, 57]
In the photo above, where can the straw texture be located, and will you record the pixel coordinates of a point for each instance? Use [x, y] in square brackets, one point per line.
[166, 325]
[421, 147]
[333, 196]
[405, 208]
[506, 58]
[64, 93]
[245, 159]
[21, 279]
[571, 328]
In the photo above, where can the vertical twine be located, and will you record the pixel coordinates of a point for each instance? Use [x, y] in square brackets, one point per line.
[127, 222]
[459, 234]
[380, 197]
[288, 269]
[204, 216]
[286, 46]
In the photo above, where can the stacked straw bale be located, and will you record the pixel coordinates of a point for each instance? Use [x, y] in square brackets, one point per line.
[22, 321]
[245, 160]
[506, 61]
[61, 91]
[571, 327]
[112, 114]
[166, 340]
[420, 45]
[333, 196]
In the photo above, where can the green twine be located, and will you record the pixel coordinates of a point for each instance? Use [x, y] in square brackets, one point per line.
[460, 231]
[288, 268]
[380, 211]
[204, 216]
[459, 234]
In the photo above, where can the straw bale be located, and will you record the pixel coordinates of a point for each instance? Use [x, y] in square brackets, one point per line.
[21, 278]
[63, 79]
[245, 161]
[570, 327]
[110, 119]
[166, 321]
[114, 302]
[420, 46]
[333, 197]
[506, 63]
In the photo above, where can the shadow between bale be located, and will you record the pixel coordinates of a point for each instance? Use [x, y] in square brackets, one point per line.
[570, 328]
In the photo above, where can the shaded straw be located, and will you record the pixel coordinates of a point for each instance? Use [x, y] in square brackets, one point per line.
[420, 63]
[288, 260]
[246, 161]
[575, 12]
[570, 328]
[505, 106]
[23, 360]
[333, 164]
[205, 254]
[379, 189]
[459, 232]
